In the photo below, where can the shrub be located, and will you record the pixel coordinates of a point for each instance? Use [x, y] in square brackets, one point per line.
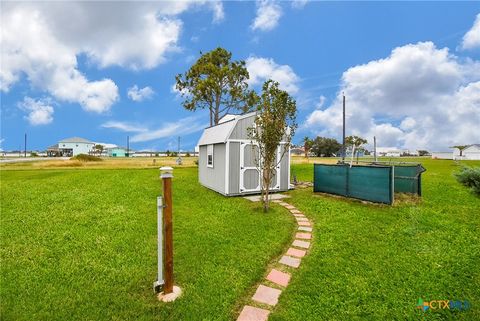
[470, 177]
[187, 154]
[195, 162]
[86, 158]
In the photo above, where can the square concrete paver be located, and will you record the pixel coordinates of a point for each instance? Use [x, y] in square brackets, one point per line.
[290, 207]
[303, 223]
[302, 219]
[290, 261]
[284, 204]
[295, 212]
[250, 313]
[296, 252]
[305, 236]
[298, 215]
[302, 244]
[278, 277]
[267, 295]
[273, 197]
[305, 228]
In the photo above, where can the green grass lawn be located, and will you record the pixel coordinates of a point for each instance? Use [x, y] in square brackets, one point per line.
[374, 262]
[81, 245]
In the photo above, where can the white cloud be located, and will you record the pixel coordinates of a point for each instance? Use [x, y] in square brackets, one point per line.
[218, 12]
[261, 69]
[299, 4]
[39, 41]
[124, 126]
[180, 127]
[136, 94]
[40, 112]
[471, 39]
[321, 102]
[268, 14]
[418, 97]
[183, 126]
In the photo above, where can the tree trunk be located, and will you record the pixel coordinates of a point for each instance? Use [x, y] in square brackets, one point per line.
[266, 187]
[217, 108]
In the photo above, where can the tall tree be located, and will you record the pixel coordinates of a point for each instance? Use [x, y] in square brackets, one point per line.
[355, 141]
[323, 146]
[216, 83]
[275, 122]
[98, 149]
[460, 148]
[307, 145]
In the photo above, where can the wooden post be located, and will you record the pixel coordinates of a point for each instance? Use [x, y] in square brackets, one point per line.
[168, 229]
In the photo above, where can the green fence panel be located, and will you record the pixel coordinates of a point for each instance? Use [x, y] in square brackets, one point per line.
[408, 179]
[330, 179]
[371, 183]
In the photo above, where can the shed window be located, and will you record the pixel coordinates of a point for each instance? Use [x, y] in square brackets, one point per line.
[209, 155]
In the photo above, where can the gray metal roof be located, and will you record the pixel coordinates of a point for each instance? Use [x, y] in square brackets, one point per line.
[220, 133]
[75, 140]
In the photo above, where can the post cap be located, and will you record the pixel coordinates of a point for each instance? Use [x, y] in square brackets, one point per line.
[166, 172]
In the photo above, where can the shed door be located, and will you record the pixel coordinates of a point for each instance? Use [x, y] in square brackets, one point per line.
[249, 173]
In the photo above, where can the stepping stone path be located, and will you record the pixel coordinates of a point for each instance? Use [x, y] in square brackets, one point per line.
[278, 277]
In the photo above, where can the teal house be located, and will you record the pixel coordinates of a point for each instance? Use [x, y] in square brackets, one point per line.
[117, 152]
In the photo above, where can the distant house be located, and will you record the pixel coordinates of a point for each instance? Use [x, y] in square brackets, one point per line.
[442, 155]
[69, 147]
[227, 158]
[472, 152]
[118, 152]
[297, 151]
[391, 151]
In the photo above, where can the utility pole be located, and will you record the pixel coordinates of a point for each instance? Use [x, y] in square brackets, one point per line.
[25, 155]
[128, 146]
[179, 158]
[375, 148]
[344, 151]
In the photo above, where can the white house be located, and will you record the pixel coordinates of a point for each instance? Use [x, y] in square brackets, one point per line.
[442, 155]
[69, 147]
[390, 151]
[472, 152]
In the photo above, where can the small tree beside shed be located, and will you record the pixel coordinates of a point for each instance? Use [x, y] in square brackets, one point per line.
[275, 122]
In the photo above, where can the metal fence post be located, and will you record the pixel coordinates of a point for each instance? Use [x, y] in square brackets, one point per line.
[157, 285]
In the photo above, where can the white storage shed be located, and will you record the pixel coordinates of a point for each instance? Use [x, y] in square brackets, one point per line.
[227, 159]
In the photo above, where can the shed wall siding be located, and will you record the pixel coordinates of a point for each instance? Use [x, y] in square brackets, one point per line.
[234, 168]
[240, 131]
[213, 178]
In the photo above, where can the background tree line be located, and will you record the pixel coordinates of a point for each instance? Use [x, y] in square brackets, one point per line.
[328, 147]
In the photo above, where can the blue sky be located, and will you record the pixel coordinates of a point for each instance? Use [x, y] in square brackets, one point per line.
[410, 71]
